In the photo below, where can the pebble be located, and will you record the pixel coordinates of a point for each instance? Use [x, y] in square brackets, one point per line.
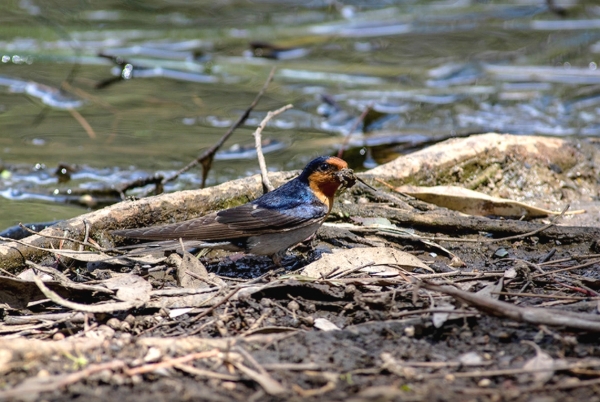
[114, 323]
[484, 383]
[293, 306]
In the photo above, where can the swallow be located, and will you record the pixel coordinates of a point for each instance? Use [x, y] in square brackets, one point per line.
[269, 225]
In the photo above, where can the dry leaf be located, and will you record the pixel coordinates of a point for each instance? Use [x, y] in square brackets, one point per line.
[541, 361]
[189, 264]
[375, 260]
[475, 203]
[492, 290]
[28, 275]
[131, 288]
[439, 319]
[510, 273]
[176, 312]
[470, 359]
[17, 293]
[325, 325]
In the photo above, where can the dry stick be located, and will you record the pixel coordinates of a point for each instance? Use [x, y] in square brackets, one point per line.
[207, 156]
[66, 282]
[269, 384]
[59, 381]
[51, 271]
[172, 362]
[434, 311]
[542, 296]
[214, 306]
[515, 371]
[230, 295]
[356, 123]
[65, 252]
[531, 315]
[568, 268]
[206, 373]
[266, 183]
[81, 243]
[53, 317]
[103, 308]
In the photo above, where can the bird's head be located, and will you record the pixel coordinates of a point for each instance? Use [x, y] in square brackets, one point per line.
[326, 174]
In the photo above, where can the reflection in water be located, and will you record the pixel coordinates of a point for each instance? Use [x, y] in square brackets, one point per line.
[48, 95]
[429, 70]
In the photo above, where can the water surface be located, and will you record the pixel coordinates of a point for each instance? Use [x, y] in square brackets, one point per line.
[429, 70]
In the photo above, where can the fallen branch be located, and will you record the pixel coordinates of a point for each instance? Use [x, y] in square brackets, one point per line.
[145, 212]
[531, 315]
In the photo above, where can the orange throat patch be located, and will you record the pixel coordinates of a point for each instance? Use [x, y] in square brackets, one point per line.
[324, 187]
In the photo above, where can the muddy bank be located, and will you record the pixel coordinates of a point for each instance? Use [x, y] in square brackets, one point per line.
[434, 304]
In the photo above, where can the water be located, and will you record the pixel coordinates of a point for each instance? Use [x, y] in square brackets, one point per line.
[429, 69]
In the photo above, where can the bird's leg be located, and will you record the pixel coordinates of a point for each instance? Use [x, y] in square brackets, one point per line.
[278, 258]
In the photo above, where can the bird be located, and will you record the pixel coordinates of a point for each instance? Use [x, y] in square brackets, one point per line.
[270, 224]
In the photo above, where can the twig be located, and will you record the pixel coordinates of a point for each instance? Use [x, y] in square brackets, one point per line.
[104, 308]
[51, 271]
[434, 311]
[81, 243]
[531, 315]
[205, 373]
[66, 282]
[213, 307]
[332, 379]
[157, 180]
[261, 376]
[502, 372]
[148, 368]
[568, 268]
[266, 183]
[542, 296]
[207, 156]
[337, 274]
[56, 317]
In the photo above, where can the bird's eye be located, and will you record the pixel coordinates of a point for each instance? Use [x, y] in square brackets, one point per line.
[323, 167]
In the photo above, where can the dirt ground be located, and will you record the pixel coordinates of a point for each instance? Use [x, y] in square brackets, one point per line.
[476, 318]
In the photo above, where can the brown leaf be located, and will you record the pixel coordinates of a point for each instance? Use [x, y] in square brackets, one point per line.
[542, 365]
[131, 288]
[374, 260]
[186, 265]
[475, 203]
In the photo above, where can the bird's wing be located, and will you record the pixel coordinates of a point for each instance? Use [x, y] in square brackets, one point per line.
[245, 220]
